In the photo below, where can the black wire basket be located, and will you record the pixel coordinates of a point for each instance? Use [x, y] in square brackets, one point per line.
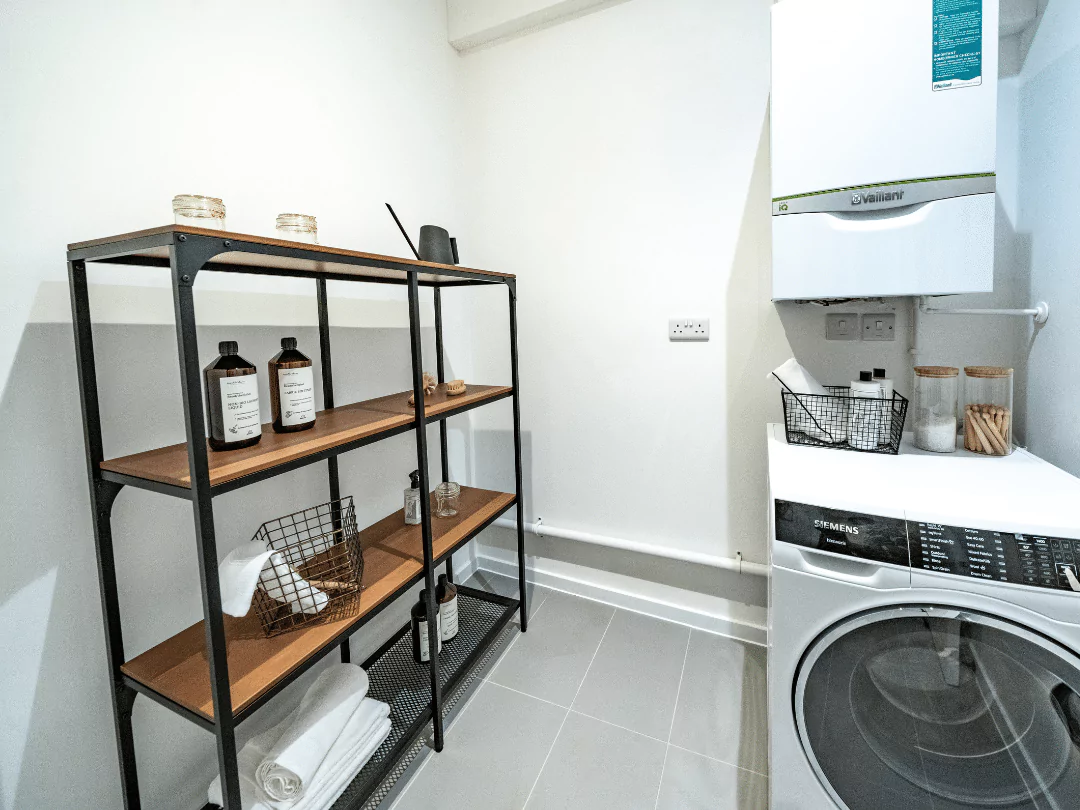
[317, 573]
[845, 422]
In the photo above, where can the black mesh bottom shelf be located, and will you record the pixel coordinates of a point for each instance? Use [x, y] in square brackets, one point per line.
[396, 679]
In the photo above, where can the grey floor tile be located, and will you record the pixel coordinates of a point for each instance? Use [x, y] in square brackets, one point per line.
[508, 586]
[550, 660]
[494, 752]
[600, 767]
[634, 679]
[693, 782]
[723, 710]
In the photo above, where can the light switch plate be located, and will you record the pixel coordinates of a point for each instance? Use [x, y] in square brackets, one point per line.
[842, 326]
[879, 326]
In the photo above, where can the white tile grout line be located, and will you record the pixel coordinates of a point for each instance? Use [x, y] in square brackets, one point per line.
[526, 694]
[721, 761]
[563, 724]
[491, 669]
[674, 714]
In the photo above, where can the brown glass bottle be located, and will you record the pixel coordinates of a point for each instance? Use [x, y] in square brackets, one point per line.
[232, 400]
[292, 389]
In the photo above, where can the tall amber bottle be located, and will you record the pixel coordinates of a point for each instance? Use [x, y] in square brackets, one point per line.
[232, 400]
[292, 389]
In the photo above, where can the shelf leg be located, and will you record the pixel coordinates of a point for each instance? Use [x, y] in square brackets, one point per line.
[185, 266]
[102, 496]
[328, 402]
[440, 362]
[425, 507]
[512, 287]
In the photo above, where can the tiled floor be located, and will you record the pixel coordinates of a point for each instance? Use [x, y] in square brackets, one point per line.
[597, 707]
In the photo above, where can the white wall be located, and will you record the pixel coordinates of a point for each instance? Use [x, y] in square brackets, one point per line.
[111, 108]
[619, 166]
[1049, 218]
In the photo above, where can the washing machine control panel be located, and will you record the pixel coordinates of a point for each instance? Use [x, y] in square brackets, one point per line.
[1019, 559]
[850, 534]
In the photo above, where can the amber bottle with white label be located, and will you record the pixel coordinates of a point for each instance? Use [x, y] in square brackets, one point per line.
[292, 389]
[232, 400]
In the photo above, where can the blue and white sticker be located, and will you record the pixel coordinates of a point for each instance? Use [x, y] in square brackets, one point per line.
[958, 40]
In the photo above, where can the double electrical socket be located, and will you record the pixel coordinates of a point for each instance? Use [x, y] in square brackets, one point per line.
[875, 326]
[688, 329]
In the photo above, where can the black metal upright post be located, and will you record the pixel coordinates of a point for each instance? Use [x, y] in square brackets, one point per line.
[511, 285]
[102, 496]
[187, 256]
[440, 368]
[425, 507]
[328, 402]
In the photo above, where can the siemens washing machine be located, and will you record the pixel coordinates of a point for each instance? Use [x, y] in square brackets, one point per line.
[924, 645]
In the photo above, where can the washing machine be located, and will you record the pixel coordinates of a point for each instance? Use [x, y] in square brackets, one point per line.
[924, 644]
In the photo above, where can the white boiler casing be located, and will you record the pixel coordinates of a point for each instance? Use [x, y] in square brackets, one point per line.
[883, 147]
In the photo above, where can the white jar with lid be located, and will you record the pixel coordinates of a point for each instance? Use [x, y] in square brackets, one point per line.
[936, 390]
[199, 212]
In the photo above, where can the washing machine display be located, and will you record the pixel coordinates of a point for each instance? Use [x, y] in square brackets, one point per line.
[932, 707]
[999, 556]
[851, 534]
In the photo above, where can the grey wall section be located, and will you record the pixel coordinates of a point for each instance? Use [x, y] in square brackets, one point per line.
[1049, 213]
[58, 745]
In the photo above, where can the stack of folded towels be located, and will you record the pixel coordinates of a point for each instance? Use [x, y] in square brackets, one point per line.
[306, 761]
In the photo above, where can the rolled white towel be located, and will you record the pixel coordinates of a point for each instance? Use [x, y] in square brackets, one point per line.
[283, 584]
[825, 419]
[366, 730]
[328, 706]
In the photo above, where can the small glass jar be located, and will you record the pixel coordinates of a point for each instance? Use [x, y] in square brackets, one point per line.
[199, 212]
[935, 408]
[298, 228]
[988, 410]
[447, 499]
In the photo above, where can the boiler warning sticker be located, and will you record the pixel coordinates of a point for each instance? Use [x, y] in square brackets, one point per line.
[957, 43]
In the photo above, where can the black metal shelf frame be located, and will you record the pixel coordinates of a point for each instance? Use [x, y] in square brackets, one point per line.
[188, 255]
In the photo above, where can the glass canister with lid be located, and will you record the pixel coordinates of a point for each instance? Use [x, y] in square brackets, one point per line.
[936, 389]
[988, 410]
[298, 228]
[198, 211]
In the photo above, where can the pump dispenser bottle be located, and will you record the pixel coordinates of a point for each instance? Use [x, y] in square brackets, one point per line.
[887, 395]
[412, 500]
[864, 420]
[232, 400]
[421, 651]
[292, 389]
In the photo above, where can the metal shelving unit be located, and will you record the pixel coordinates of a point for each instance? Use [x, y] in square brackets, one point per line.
[190, 673]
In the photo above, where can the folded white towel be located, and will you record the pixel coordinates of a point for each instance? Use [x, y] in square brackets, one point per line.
[241, 571]
[360, 738]
[825, 420]
[290, 764]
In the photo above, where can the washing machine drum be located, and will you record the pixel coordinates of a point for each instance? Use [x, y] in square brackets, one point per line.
[935, 708]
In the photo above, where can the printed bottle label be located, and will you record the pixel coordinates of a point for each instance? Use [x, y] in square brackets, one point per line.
[425, 656]
[448, 619]
[296, 395]
[240, 407]
[412, 507]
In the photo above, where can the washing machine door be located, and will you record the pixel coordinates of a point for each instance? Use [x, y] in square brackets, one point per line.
[930, 707]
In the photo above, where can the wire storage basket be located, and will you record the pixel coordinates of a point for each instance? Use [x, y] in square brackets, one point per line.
[316, 572]
[845, 422]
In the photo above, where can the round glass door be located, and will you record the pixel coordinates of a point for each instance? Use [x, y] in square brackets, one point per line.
[941, 709]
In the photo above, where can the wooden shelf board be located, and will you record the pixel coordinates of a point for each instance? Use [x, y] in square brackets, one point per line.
[393, 556]
[333, 428]
[341, 261]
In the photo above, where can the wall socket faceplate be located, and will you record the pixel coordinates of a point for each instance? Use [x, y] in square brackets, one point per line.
[879, 326]
[688, 329]
[842, 326]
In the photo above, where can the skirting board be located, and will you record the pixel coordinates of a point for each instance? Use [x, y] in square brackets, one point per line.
[544, 573]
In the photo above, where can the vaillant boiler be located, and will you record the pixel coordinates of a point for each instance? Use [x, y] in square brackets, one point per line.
[883, 147]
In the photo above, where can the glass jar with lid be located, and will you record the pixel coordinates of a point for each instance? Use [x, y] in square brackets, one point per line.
[298, 228]
[447, 499]
[936, 389]
[199, 212]
[988, 410]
